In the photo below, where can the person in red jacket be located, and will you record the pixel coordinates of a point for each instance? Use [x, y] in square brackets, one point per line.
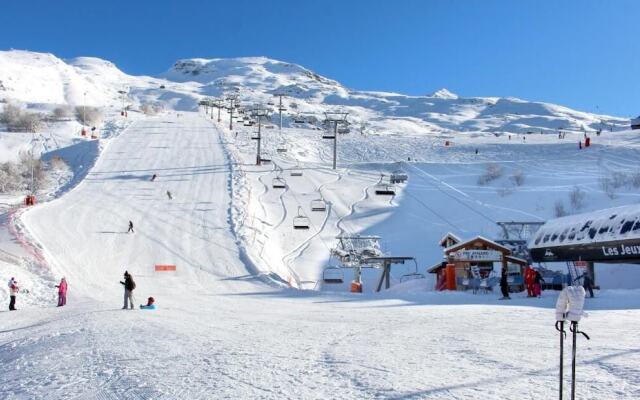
[62, 292]
[529, 278]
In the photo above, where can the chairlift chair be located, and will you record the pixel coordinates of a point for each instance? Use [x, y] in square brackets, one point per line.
[281, 149]
[318, 205]
[412, 275]
[384, 189]
[278, 183]
[398, 176]
[295, 172]
[333, 275]
[300, 221]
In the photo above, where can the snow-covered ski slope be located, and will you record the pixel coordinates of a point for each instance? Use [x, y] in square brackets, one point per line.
[223, 331]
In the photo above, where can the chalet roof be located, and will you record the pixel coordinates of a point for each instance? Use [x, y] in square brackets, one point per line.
[435, 267]
[517, 260]
[449, 235]
[488, 242]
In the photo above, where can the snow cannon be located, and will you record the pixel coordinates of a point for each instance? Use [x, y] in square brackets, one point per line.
[356, 287]
[83, 132]
[587, 142]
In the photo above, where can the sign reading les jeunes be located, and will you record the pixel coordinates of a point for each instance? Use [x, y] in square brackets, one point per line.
[476, 255]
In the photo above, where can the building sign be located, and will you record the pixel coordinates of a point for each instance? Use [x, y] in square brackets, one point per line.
[476, 255]
[621, 251]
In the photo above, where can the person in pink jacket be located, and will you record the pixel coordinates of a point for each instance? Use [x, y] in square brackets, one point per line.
[62, 292]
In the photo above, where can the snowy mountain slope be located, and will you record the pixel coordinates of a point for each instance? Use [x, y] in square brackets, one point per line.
[44, 78]
[220, 333]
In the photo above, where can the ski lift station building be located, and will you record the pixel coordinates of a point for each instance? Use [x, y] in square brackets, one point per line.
[470, 264]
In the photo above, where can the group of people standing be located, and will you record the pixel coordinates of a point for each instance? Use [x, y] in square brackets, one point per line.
[14, 289]
[532, 282]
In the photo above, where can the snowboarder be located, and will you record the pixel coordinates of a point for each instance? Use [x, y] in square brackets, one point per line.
[129, 286]
[587, 283]
[13, 291]
[504, 285]
[150, 304]
[130, 227]
[169, 195]
[476, 151]
[62, 292]
[537, 283]
[153, 177]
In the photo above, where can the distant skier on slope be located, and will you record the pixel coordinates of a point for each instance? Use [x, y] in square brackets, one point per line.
[150, 304]
[129, 286]
[130, 227]
[62, 292]
[13, 292]
[504, 285]
[169, 195]
[153, 177]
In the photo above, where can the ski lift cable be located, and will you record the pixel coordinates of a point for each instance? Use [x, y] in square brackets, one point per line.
[452, 196]
[440, 189]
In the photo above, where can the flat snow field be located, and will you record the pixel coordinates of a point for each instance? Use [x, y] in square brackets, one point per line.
[223, 331]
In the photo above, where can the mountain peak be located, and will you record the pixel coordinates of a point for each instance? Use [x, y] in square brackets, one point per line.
[444, 94]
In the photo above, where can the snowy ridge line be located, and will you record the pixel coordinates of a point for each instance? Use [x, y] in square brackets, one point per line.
[235, 210]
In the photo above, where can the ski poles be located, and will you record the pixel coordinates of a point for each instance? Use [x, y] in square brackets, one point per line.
[574, 329]
[563, 335]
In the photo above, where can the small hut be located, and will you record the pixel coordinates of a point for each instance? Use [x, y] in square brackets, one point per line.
[470, 264]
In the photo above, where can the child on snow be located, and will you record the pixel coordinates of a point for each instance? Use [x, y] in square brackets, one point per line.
[62, 292]
[150, 304]
[13, 292]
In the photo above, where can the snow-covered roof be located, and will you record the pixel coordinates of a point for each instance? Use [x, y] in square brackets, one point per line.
[612, 224]
[451, 236]
[490, 242]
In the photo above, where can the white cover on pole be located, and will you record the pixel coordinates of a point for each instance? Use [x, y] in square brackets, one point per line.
[570, 304]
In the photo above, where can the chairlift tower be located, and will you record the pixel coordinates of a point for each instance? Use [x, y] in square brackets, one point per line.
[123, 95]
[259, 113]
[280, 110]
[233, 102]
[335, 118]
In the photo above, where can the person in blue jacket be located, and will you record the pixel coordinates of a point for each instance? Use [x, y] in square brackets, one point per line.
[150, 304]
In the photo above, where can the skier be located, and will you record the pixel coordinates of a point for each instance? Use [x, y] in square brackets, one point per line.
[504, 285]
[130, 227]
[150, 304]
[476, 151]
[169, 195]
[537, 285]
[587, 283]
[580, 145]
[129, 286]
[62, 292]
[13, 291]
[153, 178]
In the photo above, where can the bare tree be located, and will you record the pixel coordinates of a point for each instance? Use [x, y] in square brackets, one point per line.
[88, 115]
[577, 198]
[558, 209]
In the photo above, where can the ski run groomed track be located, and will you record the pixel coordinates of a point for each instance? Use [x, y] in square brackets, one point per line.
[222, 332]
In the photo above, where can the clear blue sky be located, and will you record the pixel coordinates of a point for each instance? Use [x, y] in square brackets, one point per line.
[581, 53]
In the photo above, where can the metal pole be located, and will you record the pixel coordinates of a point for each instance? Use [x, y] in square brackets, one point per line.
[280, 111]
[335, 144]
[258, 157]
[231, 115]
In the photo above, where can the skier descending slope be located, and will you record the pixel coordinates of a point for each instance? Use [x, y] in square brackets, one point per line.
[129, 286]
[130, 227]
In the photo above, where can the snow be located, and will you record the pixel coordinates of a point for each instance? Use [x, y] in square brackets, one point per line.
[613, 224]
[232, 321]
